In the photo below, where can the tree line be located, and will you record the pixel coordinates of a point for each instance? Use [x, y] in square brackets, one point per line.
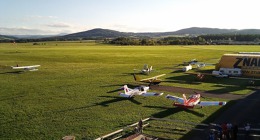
[199, 40]
[224, 39]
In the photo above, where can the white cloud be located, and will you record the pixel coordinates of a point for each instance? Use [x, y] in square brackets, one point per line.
[127, 28]
[42, 17]
[35, 19]
[59, 25]
[26, 31]
[45, 29]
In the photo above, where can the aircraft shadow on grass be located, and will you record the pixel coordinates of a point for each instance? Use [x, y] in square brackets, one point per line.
[172, 110]
[120, 87]
[12, 72]
[8, 70]
[114, 85]
[104, 103]
[177, 71]
[128, 74]
[183, 79]
[116, 99]
[72, 109]
[113, 91]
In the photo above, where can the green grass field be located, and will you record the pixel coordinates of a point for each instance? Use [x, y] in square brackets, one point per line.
[68, 95]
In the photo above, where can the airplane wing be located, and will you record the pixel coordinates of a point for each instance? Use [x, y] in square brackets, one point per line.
[211, 103]
[26, 67]
[125, 95]
[151, 78]
[152, 94]
[175, 99]
[33, 66]
[16, 68]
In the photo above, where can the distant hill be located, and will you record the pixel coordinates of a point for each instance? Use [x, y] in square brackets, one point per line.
[98, 33]
[194, 31]
[32, 36]
[4, 37]
[248, 31]
[37, 36]
[203, 31]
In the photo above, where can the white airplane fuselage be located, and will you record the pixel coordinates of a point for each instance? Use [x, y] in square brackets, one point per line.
[138, 91]
[142, 90]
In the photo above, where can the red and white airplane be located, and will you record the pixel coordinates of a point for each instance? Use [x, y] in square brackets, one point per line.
[142, 90]
[192, 101]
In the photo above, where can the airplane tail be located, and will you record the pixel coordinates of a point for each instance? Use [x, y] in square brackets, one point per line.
[151, 68]
[184, 98]
[126, 92]
[126, 89]
[136, 77]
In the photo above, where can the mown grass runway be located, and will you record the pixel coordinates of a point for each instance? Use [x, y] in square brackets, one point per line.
[70, 94]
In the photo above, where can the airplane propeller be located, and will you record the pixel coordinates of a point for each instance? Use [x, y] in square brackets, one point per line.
[200, 94]
[202, 97]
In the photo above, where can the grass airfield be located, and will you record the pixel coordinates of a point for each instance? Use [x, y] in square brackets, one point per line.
[72, 93]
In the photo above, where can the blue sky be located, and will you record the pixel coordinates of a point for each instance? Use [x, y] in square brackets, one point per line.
[44, 17]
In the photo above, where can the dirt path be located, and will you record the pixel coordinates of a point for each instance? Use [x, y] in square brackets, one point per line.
[203, 93]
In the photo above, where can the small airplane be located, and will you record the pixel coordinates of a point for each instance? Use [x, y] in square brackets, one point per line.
[191, 62]
[192, 101]
[142, 90]
[26, 68]
[152, 80]
[195, 62]
[146, 70]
